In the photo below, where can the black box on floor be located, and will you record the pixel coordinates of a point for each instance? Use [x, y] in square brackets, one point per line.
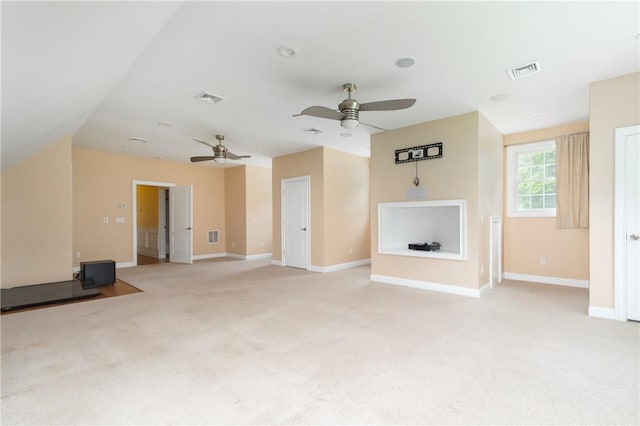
[102, 272]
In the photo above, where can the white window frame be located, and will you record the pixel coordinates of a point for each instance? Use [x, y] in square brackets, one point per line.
[512, 178]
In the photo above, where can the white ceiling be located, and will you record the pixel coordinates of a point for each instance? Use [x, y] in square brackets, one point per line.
[109, 71]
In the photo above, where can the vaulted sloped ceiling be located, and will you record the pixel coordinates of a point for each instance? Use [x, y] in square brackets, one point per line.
[107, 72]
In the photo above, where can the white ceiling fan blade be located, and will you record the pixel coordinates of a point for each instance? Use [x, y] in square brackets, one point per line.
[390, 105]
[322, 112]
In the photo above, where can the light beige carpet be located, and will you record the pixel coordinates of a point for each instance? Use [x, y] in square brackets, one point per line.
[229, 341]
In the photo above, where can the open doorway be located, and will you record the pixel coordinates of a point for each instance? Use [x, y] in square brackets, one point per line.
[151, 238]
[152, 224]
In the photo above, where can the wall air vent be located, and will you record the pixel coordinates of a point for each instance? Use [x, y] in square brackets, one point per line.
[209, 97]
[524, 70]
[213, 237]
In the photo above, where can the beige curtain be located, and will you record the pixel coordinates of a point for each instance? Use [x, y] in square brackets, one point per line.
[572, 181]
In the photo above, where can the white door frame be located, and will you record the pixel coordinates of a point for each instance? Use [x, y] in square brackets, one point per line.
[283, 182]
[163, 226]
[134, 211]
[620, 247]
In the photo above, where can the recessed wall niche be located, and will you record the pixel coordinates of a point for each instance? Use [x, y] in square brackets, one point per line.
[404, 223]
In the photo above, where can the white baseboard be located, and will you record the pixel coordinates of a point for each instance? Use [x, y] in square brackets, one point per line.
[276, 262]
[249, 257]
[485, 287]
[208, 256]
[600, 312]
[425, 285]
[339, 266]
[118, 266]
[569, 282]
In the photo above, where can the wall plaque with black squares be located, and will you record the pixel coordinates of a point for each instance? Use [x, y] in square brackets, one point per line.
[419, 153]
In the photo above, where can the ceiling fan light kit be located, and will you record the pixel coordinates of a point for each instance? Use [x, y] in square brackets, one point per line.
[348, 112]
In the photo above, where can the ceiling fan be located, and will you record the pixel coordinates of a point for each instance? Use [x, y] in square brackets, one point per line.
[348, 112]
[220, 152]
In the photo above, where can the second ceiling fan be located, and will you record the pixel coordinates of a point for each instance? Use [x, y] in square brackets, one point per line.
[348, 112]
[220, 152]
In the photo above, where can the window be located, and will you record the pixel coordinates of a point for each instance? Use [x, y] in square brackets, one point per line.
[531, 179]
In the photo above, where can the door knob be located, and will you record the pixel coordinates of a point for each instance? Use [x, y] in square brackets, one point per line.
[634, 237]
[303, 229]
[189, 228]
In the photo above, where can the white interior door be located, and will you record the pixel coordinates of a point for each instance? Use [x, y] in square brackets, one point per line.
[181, 224]
[628, 223]
[295, 213]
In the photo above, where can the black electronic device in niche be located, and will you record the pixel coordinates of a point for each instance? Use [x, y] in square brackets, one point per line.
[419, 153]
[432, 246]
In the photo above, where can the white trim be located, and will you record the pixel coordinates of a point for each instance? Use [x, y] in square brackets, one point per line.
[339, 266]
[208, 256]
[569, 282]
[276, 262]
[600, 312]
[512, 172]
[619, 235]
[283, 183]
[387, 209]
[425, 285]
[250, 256]
[134, 211]
[119, 265]
[485, 287]
[493, 220]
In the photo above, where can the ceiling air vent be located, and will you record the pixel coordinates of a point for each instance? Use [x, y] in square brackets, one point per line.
[209, 97]
[524, 70]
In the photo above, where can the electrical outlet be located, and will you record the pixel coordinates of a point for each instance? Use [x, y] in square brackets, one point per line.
[77, 255]
[482, 269]
[262, 244]
[543, 261]
[105, 219]
[350, 251]
[233, 245]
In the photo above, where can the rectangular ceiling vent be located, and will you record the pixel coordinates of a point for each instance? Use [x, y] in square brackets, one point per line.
[209, 97]
[524, 70]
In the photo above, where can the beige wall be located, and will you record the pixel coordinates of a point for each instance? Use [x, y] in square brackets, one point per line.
[235, 210]
[248, 210]
[346, 207]
[526, 240]
[37, 218]
[455, 176]
[613, 103]
[102, 181]
[259, 217]
[307, 163]
[339, 204]
[147, 205]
